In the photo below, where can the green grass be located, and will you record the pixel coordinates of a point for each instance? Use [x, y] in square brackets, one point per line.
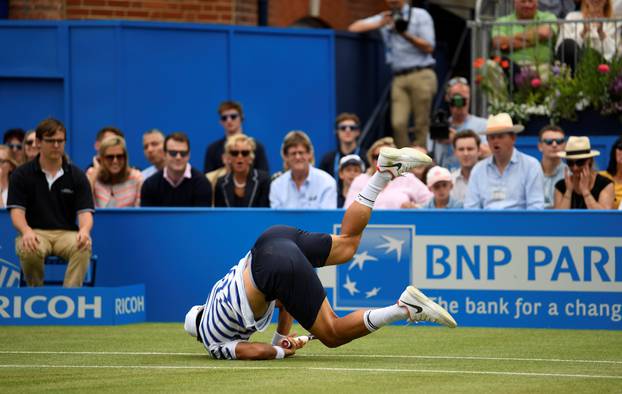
[395, 359]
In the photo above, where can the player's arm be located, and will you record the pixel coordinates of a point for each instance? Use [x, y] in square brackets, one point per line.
[263, 351]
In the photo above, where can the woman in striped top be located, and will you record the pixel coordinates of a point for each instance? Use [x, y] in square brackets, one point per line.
[115, 184]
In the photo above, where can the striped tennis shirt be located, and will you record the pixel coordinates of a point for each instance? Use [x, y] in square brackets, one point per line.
[228, 318]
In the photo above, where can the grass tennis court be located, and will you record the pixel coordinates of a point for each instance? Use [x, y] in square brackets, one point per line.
[162, 358]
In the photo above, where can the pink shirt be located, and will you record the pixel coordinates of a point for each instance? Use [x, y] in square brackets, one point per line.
[119, 195]
[400, 190]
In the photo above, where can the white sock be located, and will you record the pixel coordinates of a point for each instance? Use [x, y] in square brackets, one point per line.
[376, 318]
[370, 192]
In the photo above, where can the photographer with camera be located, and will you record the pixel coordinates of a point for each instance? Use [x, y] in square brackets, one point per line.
[443, 129]
[408, 35]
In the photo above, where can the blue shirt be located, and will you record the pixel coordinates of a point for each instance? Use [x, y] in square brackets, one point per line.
[549, 185]
[521, 186]
[444, 153]
[147, 172]
[451, 204]
[318, 191]
[400, 53]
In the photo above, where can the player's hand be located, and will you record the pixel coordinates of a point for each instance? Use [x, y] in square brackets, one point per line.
[291, 342]
[30, 241]
[83, 239]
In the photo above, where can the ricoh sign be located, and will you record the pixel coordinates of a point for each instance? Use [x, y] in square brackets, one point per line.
[84, 306]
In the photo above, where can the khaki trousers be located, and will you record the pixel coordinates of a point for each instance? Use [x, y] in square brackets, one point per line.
[60, 243]
[412, 93]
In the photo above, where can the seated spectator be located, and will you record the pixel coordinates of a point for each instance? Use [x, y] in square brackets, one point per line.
[458, 97]
[466, 148]
[44, 214]
[178, 184]
[31, 148]
[575, 38]
[405, 191]
[559, 8]
[348, 130]
[551, 141]
[153, 148]
[244, 186]
[350, 166]
[526, 44]
[582, 187]
[114, 183]
[231, 118]
[102, 134]
[614, 170]
[302, 186]
[7, 166]
[508, 179]
[439, 182]
[14, 139]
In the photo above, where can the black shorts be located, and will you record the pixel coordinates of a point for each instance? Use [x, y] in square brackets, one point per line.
[282, 268]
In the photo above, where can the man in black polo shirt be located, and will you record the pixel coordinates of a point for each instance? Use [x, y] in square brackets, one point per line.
[177, 184]
[45, 196]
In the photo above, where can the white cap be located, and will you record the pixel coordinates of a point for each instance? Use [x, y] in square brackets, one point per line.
[190, 325]
[437, 174]
[351, 160]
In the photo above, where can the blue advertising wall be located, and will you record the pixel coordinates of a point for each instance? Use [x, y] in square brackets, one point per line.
[489, 268]
[140, 75]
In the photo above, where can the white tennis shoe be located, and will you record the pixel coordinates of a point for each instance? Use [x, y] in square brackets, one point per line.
[421, 308]
[399, 161]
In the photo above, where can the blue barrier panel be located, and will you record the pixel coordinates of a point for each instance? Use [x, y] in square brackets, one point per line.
[60, 306]
[548, 257]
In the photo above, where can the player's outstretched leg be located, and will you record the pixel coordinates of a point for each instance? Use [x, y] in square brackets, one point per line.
[392, 163]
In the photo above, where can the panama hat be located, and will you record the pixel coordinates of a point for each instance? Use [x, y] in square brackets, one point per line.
[501, 123]
[190, 323]
[578, 148]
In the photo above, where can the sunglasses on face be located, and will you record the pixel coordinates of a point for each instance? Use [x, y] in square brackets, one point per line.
[14, 146]
[578, 162]
[549, 141]
[175, 153]
[346, 127]
[29, 142]
[225, 117]
[375, 157]
[4, 161]
[236, 153]
[112, 158]
[54, 141]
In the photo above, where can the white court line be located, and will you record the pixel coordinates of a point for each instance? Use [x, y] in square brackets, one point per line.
[422, 357]
[272, 367]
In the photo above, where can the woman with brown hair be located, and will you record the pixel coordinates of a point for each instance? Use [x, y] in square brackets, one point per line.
[243, 186]
[582, 187]
[115, 184]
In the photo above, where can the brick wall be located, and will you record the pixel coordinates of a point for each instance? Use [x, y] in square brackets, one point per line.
[337, 13]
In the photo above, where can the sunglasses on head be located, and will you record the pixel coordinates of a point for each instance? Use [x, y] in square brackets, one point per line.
[236, 153]
[112, 158]
[578, 162]
[14, 146]
[549, 141]
[352, 127]
[175, 153]
[457, 80]
[225, 117]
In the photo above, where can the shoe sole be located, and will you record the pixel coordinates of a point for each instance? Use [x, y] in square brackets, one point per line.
[444, 316]
[409, 155]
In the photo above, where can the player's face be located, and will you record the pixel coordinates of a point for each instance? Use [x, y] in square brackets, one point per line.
[239, 157]
[501, 144]
[467, 152]
[153, 147]
[177, 155]
[114, 159]
[551, 143]
[298, 158]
